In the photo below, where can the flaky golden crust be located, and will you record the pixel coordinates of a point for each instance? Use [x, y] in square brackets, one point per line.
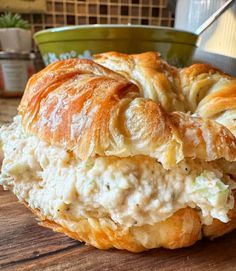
[72, 102]
[155, 78]
[210, 94]
[91, 110]
[204, 138]
[182, 229]
[200, 89]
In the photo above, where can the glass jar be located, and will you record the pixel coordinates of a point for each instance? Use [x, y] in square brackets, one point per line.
[15, 70]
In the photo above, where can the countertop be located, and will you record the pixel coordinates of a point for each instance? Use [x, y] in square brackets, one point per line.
[24, 245]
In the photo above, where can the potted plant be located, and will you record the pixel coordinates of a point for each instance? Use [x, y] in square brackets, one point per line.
[14, 33]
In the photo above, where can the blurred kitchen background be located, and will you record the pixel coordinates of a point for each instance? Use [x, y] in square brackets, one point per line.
[188, 15]
[220, 38]
[43, 14]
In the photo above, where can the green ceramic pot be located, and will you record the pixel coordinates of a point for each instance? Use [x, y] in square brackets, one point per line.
[176, 46]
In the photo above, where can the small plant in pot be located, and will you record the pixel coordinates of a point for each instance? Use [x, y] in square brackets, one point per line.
[15, 35]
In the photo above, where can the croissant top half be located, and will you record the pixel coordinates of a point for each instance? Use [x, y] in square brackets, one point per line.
[92, 110]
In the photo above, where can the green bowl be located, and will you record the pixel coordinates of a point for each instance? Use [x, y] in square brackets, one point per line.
[176, 46]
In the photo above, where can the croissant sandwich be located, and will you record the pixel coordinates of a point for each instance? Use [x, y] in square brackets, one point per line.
[126, 151]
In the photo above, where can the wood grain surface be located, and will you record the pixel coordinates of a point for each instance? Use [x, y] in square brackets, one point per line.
[26, 246]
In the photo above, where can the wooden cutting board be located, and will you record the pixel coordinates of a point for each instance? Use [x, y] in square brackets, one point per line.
[26, 246]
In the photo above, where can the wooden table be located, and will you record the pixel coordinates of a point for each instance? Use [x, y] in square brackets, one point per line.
[26, 246]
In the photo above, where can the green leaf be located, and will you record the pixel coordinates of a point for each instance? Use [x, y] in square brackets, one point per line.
[9, 20]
